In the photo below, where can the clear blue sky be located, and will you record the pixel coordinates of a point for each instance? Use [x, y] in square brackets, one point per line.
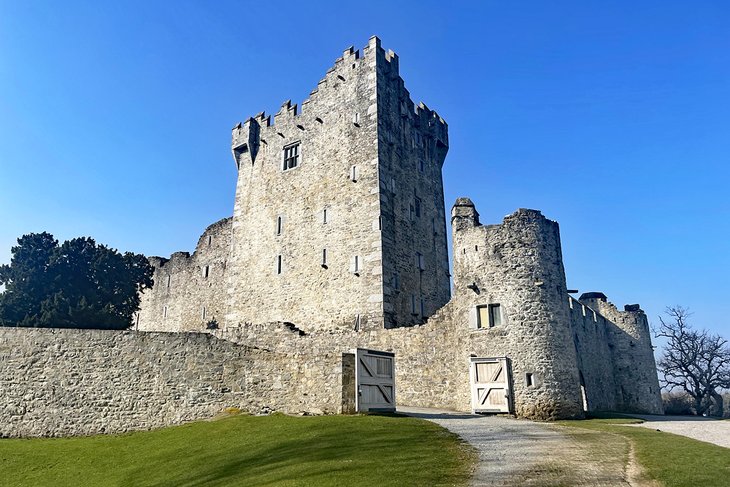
[611, 117]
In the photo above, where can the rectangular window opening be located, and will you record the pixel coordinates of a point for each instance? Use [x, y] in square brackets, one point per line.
[324, 215]
[420, 262]
[164, 311]
[418, 207]
[206, 271]
[358, 323]
[489, 316]
[324, 258]
[203, 312]
[279, 225]
[495, 315]
[278, 264]
[528, 379]
[291, 156]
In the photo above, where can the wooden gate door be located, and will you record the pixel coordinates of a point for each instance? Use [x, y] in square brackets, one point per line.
[375, 379]
[491, 385]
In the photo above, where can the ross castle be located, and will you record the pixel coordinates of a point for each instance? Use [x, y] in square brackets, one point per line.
[339, 225]
[337, 242]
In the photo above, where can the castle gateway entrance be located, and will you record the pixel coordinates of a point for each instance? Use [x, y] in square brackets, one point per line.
[491, 385]
[375, 380]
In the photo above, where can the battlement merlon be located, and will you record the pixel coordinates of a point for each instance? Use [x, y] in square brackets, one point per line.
[427, 120]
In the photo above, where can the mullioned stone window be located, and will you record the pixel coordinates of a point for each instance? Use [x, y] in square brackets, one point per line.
[291, 156]
[487, 316]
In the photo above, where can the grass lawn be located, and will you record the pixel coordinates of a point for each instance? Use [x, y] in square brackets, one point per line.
[249, 451]
[673, 460]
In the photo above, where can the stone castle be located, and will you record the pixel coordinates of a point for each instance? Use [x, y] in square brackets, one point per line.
[338, 241]
[339, 225]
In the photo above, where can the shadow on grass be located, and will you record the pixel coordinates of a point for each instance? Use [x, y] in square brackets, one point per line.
[397, 452]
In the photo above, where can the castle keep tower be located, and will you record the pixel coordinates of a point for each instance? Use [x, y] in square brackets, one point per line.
[339, 227]
[339, 213]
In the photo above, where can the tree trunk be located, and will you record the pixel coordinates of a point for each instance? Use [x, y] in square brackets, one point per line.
[716, 408]
[699, 409]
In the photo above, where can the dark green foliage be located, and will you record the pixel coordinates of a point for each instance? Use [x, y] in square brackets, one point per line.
[78, 284]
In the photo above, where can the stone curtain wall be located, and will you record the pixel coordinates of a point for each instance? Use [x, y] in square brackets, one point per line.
[76, 382]
[629, 339]
[185, 296]
[591, 339]
[517, 264]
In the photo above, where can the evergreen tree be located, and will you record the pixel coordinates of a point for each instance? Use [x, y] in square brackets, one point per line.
[78, 284]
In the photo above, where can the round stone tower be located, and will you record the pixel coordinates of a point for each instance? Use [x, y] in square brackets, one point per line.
[510, 293]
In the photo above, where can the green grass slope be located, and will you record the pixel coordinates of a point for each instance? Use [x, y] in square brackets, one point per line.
[673, 460]
[248, 451]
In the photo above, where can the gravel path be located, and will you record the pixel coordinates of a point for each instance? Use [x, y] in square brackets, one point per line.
[516, 452]
[703, 429]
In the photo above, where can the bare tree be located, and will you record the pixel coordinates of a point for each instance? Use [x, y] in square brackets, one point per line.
[695, 361]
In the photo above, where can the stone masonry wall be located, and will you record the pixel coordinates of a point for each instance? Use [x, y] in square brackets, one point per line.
[189, 291]
[57, 382]
[591, 339]
[629, 340]
[337, 134]
[517, 264]
[412, 146]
